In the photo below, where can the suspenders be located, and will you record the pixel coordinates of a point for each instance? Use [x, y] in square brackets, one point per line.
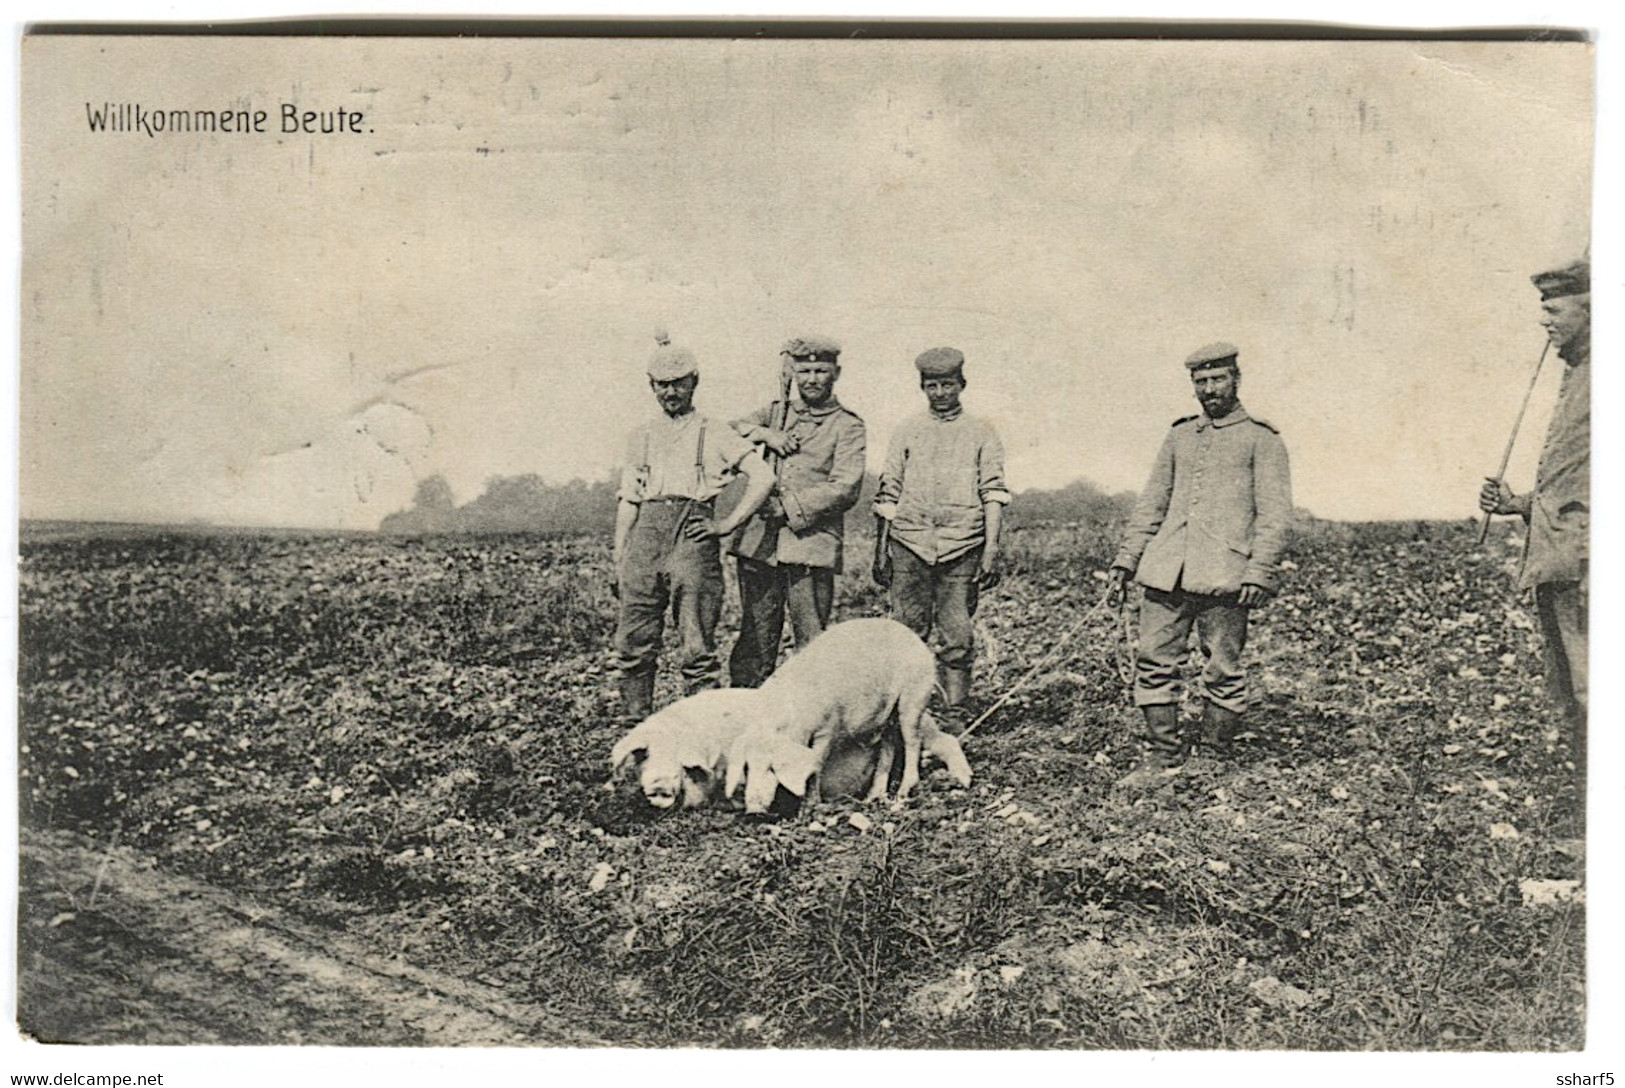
[699, 461]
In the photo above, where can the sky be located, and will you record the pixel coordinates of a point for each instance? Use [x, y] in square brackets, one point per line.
[292, 329]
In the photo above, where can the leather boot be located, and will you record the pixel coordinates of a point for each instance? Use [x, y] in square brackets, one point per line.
[1219, 725]
[637, 696]
[955, 689]
[1162, 734]
[1163, 747]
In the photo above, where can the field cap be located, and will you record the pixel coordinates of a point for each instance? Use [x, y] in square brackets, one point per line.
[1573, 278]
[1215, 354]
[820, 349]
[941, 363]
[668, 364]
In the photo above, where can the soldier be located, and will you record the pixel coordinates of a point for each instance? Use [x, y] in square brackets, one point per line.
[666, 534]
[1558, 511]
[938, 514]
[1204, 541]
[790, 552]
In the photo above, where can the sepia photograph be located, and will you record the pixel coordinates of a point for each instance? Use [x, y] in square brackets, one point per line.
[952, 538]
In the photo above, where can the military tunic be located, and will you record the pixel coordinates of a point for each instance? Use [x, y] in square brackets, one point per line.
[1214, 516]
[817, 485]
[789, 563]
[1216, 512]
[1556, 551]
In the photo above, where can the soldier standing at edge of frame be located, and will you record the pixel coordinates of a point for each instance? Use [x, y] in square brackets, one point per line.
[1204, 540]
[1556, 557]
[667, 547]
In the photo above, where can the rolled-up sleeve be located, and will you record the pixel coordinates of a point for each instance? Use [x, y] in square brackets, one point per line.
[990, 485]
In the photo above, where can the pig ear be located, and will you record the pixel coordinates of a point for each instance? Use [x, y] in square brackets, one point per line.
[628, 746]
[793, 765]
[696, 755]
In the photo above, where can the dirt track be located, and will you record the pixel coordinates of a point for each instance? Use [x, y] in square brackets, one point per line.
[113, 951]
[1385, 860]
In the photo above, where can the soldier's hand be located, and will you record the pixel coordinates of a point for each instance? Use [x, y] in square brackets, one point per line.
[700, 528]
[1252, 596]
[1118, 587]
[1495, 497]
[782, 443]
[989, 575]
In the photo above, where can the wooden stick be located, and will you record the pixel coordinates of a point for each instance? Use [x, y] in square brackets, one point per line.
[1506, 455]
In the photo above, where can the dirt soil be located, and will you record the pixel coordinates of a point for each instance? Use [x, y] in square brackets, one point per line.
[358, 792]
[162, 959]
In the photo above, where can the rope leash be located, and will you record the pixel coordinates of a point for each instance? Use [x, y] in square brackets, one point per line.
[1126, 646]
[1042, 663]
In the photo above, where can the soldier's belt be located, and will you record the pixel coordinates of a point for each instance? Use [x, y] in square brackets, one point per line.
[668, 499]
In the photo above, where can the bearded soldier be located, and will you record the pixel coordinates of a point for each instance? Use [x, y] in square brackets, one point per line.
[1205, 541]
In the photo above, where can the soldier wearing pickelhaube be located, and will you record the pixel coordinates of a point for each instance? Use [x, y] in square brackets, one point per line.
[1205, 541]
[790, 552]
[1558, 510]
[667, 549]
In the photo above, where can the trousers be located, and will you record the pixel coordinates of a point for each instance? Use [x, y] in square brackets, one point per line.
[766, 593]
[1563, 608]
[663, 569]
[1166, 619]
[937, 597]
